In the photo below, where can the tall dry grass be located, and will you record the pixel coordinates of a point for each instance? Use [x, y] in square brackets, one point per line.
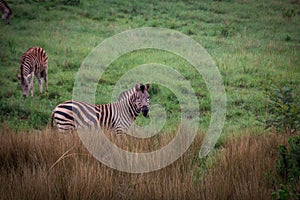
[245, 168]
[49, 165]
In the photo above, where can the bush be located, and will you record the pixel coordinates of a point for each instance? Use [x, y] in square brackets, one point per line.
[288, 170]
[283, 110]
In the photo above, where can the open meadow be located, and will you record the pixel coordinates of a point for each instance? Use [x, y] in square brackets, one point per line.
[256, 47]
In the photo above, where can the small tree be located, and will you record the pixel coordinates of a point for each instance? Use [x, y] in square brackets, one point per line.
[283, 110]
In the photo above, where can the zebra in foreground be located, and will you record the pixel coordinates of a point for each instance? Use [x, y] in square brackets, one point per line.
[117, 116]
[34, 62]
[6, 11]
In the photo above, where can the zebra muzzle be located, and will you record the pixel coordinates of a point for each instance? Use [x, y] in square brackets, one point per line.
[145, 111]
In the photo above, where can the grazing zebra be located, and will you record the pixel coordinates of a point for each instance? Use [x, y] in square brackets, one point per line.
[6, 11]
[117, 116]
[33, 63]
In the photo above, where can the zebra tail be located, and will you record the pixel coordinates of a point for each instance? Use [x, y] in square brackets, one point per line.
[52, 119]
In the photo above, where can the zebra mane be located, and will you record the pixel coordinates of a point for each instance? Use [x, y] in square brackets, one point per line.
[22, 76]
[142, 87]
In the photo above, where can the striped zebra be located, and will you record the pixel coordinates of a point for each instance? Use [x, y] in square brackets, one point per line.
[117, 116]
[34, 62]
[6, 11]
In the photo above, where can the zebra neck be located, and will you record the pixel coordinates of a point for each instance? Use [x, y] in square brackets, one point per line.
[133, 110]
[24, 76]
[26, 70]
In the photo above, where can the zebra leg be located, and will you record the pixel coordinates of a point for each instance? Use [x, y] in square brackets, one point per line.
[5, 18]
[46, 79]
[38, 76]
[31, 84]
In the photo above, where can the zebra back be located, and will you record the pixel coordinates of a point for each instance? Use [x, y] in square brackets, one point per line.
[35, 60]
[71, 114]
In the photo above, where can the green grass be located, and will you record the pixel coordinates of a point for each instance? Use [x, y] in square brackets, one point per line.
[254, 44]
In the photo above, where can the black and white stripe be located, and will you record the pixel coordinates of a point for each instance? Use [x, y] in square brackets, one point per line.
[34, 62]
[117, 116]
[126, 94]
[6, 11]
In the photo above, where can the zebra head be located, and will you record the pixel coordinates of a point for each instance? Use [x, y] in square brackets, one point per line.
[24, 85]
[141, 98]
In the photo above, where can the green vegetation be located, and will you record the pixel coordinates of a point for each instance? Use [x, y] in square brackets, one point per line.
[284, 110]
[253, 43]
[288, 170]
[256, 46]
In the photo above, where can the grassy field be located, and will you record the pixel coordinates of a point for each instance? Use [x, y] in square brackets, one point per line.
[48, 165]
[255, 45]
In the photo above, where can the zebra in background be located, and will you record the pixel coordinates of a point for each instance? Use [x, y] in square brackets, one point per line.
[34, 62]
[6, 11]
[117, 116]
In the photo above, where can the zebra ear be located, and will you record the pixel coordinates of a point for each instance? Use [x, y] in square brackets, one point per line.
[147, 86]
[137, 87]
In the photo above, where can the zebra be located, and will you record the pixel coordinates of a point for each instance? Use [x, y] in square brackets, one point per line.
[6, 11]
[117, 116]
[34, 62]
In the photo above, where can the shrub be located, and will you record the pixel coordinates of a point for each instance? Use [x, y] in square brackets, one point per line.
[288, 170]
[283, 110]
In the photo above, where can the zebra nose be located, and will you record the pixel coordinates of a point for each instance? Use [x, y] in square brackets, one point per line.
[24, 95]
[145, 111]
